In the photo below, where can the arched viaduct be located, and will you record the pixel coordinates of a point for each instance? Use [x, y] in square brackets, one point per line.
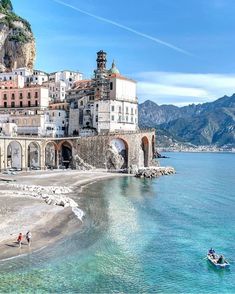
[23, 153]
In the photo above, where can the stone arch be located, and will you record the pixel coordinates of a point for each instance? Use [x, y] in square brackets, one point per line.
[14, 155]
[66, 154]
[117, 154]
[51, 155]
[144, 152]
[153, 146]
[34, 155]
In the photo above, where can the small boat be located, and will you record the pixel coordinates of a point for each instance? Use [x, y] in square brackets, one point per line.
[214, 259]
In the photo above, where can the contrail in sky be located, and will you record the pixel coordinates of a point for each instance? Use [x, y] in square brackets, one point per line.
[124, 28]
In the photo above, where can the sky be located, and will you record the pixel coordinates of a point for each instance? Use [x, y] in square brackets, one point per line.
[180, 52]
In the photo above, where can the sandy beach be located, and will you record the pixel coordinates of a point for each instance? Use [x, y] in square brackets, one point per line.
[22, 207]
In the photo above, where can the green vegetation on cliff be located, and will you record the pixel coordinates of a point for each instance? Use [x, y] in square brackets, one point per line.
[6, 5]
[10, 18]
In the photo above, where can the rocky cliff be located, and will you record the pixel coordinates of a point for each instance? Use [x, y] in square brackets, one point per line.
[17, 43]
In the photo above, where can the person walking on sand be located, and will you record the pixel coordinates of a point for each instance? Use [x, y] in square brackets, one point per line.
[28, 237]
[19, 239]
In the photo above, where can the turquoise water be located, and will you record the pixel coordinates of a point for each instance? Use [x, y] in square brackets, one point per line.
[142, 236]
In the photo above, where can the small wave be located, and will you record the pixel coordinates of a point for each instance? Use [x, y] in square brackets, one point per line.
[78, 212]
[13, 257]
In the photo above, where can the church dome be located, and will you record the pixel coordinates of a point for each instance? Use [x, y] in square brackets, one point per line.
[114, 69]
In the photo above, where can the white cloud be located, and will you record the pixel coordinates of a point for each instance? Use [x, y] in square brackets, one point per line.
[183, 88]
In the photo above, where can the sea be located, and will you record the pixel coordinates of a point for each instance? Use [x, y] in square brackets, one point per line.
[142, 235]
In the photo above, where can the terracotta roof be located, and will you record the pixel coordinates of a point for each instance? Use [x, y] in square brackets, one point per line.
[83, 84]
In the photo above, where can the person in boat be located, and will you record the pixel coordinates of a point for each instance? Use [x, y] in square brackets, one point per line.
[212, 252]
[221, 260]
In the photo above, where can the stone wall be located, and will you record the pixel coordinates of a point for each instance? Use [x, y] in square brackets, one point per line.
[95, 151]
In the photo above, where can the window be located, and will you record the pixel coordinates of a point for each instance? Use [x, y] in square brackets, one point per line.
[119, 118]
[36, 95]
[5, 104]
[96, 118]
[29, 103]
[29, 95]
[132, 111]
[120, 109]
[81, 103]
[21, 95]
[112, 107]
[5, 96]
[21, 104]
[13, 104]
[126, 118]
[10, 78]
[111, 86]
[59, 113]
[13, 96]
[112, 117]
[132, 119]
[36, 102]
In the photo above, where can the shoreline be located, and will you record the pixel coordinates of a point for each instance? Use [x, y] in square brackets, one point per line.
[22, 210]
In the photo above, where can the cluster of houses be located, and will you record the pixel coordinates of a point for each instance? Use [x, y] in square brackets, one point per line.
[60, 104]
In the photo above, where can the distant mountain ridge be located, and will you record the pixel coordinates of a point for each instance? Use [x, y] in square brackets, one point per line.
[211, 123]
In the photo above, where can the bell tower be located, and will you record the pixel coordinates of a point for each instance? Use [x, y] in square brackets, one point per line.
[101, 60]
[101, 71]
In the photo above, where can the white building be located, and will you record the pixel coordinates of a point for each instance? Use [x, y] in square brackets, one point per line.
[120, 111]
[57, 91]
[56, 123]
[8, 129]
[107, 103]
[67, 76]
[38, 77]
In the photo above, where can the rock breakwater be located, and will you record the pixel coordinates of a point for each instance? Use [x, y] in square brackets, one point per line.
[51, 195]
[154, 172]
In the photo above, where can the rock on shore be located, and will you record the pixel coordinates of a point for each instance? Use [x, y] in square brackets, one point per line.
[51, 195]
[154, 172]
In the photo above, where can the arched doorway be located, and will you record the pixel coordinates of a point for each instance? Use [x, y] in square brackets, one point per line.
[117, 155]
[50, 155]
[34, 156]
[144, 153]
[14, 155]
[66, 154]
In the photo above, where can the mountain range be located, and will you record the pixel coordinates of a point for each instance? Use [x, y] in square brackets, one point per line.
[211, 123]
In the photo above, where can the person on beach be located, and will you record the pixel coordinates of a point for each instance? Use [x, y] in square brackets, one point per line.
[28, 237]
[19, 239]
